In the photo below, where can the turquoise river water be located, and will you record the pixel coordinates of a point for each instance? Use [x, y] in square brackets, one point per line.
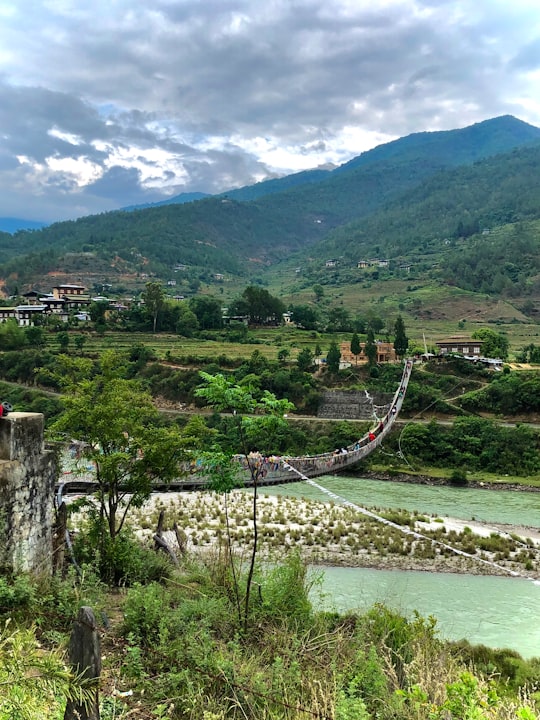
[495, 611]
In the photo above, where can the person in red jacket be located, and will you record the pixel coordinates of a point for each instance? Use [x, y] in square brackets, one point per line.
[5, 407]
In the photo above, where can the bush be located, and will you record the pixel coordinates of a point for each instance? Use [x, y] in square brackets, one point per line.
[123, 561]
[458, 477]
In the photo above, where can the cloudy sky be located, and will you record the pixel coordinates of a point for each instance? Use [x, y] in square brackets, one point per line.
[107, 103]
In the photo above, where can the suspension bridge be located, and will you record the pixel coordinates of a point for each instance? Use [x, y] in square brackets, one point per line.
[275, 470]
[258, 470]
[78, 476]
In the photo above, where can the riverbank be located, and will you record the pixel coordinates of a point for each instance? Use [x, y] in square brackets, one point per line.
[422, 479]
[333, 534]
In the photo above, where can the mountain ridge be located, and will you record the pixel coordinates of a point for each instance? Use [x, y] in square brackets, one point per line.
[330, 215]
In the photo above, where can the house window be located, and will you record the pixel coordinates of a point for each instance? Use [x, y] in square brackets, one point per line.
[465, 350]
[476, 349]
[454, 349]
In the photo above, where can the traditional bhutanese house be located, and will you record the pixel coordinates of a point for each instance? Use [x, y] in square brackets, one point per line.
[32, 296]
[7, 313]
[385, 353]
[26, 314]
[55, 306]
[60, 291]
[74, 295]
[363, 264]
[460, 345]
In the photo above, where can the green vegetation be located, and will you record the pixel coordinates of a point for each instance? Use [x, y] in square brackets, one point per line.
[427, 200]
[177, 646]
[472, 443]
[115, 422]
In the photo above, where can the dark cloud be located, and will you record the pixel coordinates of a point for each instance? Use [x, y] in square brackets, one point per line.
[110, 102]
[528, 58]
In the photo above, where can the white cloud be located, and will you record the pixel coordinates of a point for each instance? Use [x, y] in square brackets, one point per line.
[194, 95]
[80, 169]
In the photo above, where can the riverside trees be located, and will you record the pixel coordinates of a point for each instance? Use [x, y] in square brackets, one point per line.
[117, 424]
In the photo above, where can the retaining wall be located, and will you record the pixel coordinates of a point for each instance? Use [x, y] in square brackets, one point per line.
[27, 477]
[353, 405]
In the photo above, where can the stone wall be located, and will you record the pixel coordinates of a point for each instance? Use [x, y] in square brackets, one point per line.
[353, 405]
[27, 477]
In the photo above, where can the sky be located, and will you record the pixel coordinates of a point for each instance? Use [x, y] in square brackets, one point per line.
[110, 103]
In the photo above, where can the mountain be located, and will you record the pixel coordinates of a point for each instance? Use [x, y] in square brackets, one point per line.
[440, 149]
[395, 197]
[174, 200]
[12, 225]
[453, 147]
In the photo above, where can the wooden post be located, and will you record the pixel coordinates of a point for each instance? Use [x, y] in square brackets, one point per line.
[85, 659]
[59, 540]
[159, 541]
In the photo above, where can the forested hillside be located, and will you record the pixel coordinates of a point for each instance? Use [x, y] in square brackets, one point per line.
[395, 200]
[480, 218]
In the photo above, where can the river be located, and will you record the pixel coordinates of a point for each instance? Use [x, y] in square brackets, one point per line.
[494, 611]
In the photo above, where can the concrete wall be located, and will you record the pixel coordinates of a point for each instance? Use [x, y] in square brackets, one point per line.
[27, 477]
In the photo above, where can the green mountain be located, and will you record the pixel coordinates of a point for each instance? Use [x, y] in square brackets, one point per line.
[397, 197]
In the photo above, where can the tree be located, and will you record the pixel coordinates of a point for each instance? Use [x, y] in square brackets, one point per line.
[208, 312]
[494, 344]
[401, 341]
[154, 298]
[339, 320]
[282, 355]
[80, 342]
[98, 311]
[35, 336]
[333, 357]
[370, 348]
[259, 305]
[305, 317]
[305, 360]
[12, 337]
[186, 323]
[355, 347]
[115, 421]
[253, 416]
[63, 340]
[319, 292]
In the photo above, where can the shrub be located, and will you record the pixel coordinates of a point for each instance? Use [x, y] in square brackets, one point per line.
[458, 477]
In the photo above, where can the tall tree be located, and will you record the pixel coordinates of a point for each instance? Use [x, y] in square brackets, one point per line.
[116, 422]
[305, 316]
[208, 312]
[355, 347]
[305, 360]
[154, 298]
[401, 341]
[370, 348]
[339, 320]
[333, 357]
[494, 344]
[253, 416]
[259, 305]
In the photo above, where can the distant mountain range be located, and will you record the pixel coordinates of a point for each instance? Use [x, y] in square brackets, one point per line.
[427, 189]
[12, 225]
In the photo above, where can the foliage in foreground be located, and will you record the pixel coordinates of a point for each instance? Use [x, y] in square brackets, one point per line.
[33, 684]
[184, 644]
[181, 653]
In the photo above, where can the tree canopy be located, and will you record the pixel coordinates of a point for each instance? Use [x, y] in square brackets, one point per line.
[118, 427]
[259, 305]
